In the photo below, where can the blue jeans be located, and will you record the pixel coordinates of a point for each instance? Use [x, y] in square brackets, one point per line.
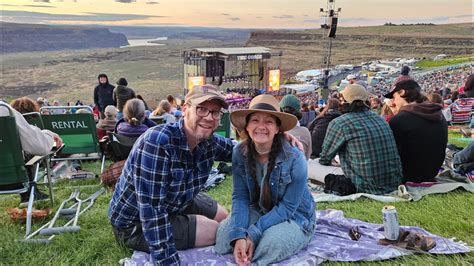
[277, 243]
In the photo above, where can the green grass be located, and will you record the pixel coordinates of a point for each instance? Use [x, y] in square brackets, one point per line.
[445, 62]
[448, 215]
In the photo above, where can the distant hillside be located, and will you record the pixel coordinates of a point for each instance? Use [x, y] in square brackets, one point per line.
[33, 37]
[183, 33]
[304, 49]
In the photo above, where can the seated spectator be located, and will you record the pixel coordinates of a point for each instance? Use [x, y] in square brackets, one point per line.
[174, 106]
[462, 109]
[436, 98]
[306, 115]
[34, 141]
[420, 131]
[108, 123]
[25, 105]
[463, 160]
[134, 122]
[364, 143]
[376, 105]
[319, 125]
[163, 111]
[291, 104]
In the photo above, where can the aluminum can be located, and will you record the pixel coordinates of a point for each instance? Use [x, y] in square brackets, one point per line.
[390, 223]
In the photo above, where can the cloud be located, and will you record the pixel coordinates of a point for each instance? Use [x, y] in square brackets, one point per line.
[284, 16]
[152, 3]
[125, 1]
[39, 6]
[225, 14]
[42, 1]
[463, 16]
[39, 17]
[258, 17]
[234, 19]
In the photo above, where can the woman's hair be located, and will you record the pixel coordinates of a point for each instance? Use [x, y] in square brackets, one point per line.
[469, 86]
[249, 150]
[163, 107]
[333, 103]
[454, 96]
[386, 110]
[134, 112]
[435, 98]
[25, 105]
[171, 100]
[356, 106]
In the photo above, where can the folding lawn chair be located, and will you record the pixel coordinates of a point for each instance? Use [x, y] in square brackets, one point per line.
[14, 177]
[120, 146]
[34, 118]
[78, 132]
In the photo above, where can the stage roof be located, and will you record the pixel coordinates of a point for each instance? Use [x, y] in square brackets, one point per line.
[235, 50]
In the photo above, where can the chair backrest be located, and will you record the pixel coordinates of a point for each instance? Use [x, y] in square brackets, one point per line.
[158, 121]
[224, 126]
[120, 146]
[78, 131]
[12, 165]
[34, 118]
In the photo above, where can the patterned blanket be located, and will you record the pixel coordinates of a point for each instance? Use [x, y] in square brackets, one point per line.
[331, 242]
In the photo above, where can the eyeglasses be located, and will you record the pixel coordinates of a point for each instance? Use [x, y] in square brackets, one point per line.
[203, 112]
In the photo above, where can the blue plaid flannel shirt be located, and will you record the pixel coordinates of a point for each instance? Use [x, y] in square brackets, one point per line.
[161, 177]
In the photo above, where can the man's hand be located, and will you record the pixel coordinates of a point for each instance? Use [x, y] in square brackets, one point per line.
[294, 141]
[240, 252]
[57, 140]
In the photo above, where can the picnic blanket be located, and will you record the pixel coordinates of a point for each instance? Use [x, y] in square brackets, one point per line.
[446, 181]
[331, 242]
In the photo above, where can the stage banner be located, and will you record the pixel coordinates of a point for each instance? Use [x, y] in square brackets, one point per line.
[195, 81]
[274, 80]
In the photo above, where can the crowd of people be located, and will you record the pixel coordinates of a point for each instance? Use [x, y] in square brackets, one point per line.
[158, 205]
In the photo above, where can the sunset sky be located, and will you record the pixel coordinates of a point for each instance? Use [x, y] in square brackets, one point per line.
[234, 13]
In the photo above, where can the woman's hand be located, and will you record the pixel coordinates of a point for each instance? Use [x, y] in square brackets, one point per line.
[240, 252]
[250, 248]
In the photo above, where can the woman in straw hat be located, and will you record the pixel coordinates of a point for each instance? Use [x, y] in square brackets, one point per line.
[273, 213]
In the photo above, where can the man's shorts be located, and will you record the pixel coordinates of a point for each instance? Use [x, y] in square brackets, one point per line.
[183, 226]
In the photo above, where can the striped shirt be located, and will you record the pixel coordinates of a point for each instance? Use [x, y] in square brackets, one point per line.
[367, 151]
[462, 110]
[161, 177]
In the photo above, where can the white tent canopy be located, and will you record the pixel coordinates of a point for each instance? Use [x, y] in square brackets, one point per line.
[308, 74]
[298, 88]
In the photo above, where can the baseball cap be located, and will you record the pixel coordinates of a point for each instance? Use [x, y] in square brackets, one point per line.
[204, 93]
[354, 92]
[403, 85]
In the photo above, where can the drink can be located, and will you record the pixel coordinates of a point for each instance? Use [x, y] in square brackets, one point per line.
[390, 223]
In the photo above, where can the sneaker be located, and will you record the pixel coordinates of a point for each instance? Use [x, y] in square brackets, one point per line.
[25, 197]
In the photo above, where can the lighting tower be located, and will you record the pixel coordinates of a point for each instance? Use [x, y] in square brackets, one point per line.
[330, 15]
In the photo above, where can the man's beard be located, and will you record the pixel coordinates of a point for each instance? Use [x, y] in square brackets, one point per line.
[206, 138]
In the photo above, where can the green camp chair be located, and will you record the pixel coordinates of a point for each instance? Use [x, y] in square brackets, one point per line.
[13, 170]
[77, 131]
[34, 118]
[224, 126]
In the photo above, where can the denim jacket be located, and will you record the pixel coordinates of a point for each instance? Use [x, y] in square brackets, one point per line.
[291, 197]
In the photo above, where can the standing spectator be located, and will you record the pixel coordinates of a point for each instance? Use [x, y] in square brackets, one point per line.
[291, 104]
[121, 95]
[319, 125]
[404, 75]
[364, 143]
[420, 131]
[103, 94]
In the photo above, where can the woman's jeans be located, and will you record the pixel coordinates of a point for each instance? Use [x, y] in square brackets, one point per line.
[277, 243]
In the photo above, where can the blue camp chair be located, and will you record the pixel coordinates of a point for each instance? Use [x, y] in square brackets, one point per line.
[14, 177]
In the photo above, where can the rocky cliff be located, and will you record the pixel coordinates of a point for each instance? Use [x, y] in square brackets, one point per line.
[33, 37]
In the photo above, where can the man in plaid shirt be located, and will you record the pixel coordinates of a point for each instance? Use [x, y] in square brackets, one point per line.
[365, 144]
[157, 206]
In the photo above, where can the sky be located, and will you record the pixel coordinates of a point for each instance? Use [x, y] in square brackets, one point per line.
[234, 13]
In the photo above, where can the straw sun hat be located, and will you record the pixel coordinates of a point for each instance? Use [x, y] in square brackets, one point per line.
[266, 104]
